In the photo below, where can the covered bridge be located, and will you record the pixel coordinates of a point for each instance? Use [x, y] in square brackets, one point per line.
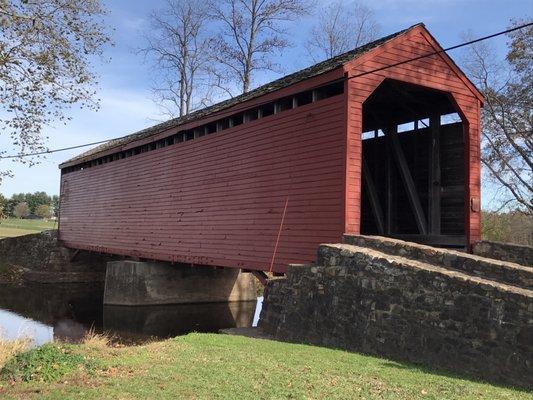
[369, 142]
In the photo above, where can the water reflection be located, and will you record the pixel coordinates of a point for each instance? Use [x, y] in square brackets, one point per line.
[14, 326]
[174, 320]
[68, 312]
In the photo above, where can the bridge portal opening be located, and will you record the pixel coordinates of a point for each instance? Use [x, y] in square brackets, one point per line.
[413, 165]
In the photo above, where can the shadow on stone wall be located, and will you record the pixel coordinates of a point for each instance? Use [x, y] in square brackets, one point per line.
[363, 300]
[519, 254]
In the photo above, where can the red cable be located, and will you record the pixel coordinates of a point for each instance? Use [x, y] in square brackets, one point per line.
[279, 234]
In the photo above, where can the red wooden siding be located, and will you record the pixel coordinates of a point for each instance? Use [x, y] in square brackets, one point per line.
[218, 200]
[435, 72]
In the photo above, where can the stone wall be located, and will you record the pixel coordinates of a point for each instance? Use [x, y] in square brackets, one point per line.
[30, 251]
[505, 252]
[40, 258]
[363, 300]
[497, 270]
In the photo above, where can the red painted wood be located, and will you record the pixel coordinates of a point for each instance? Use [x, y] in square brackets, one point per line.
[290, 90]
[436, 72]
[219, 199]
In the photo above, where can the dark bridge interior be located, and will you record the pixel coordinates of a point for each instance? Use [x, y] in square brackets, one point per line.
[413, 185]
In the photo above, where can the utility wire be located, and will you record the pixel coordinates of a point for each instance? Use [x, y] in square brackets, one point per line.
[457, 46]
[55, 150]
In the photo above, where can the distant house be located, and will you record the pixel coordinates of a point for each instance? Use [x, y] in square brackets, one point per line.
[360, 143]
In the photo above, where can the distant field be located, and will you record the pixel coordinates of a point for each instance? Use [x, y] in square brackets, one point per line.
[17, 227]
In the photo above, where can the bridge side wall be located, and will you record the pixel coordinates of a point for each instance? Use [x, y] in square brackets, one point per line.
[520, 254]
[219, 199]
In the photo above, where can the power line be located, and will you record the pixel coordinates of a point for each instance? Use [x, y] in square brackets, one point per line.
[55, 150]
[457, 46]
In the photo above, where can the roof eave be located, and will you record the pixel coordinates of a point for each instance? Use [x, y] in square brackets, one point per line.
[226, 105]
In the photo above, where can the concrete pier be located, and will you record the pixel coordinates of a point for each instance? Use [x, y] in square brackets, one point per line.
[134, 283]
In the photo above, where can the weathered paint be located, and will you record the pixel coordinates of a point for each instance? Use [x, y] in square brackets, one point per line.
[219, 199]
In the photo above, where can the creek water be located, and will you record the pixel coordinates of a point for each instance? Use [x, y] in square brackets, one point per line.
[67, 312]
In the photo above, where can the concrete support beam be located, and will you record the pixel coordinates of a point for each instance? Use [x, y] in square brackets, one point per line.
[135, 283]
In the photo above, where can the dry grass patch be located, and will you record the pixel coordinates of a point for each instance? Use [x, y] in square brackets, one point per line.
[96, 341]
[9, 349]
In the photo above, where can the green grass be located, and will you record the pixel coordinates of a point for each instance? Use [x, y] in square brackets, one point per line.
[12, 227]
[208, 366]
[47, 363]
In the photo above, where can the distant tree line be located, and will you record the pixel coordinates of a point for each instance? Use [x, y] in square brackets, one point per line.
[508, 227]
[23, 205]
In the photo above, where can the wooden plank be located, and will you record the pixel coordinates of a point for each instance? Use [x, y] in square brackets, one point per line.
[373, 197]
[434, 177]
[261, 277]
[390, 193]
[294, 102]
[392, 134]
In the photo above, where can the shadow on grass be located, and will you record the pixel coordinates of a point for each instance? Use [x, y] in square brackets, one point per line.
[466, 376]
[389, 361]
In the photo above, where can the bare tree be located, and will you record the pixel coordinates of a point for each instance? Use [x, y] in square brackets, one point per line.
[21, 210]
[178, 47]
[46, 49]
[341, 27]
[251, 31]
[507, 140]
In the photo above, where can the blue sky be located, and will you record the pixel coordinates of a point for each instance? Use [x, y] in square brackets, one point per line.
[124, 90]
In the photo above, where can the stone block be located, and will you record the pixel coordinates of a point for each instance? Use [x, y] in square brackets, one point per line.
[505, 252]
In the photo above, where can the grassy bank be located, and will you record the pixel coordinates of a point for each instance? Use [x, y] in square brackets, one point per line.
[9, 349]
[207, 366]
[12, 227]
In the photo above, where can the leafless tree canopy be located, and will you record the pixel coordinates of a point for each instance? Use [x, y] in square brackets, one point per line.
[251, 31]
[45, 52]
[341, 27]
[178, 47]
[507, 141]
